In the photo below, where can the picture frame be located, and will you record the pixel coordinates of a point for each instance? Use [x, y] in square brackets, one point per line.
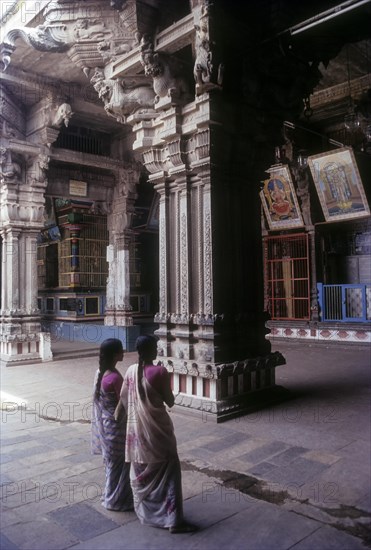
[279, 200]
[339, 185]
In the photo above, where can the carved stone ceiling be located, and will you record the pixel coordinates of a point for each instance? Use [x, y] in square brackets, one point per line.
[58, 66]
[353, 61]
[53, 65]
[55, 68]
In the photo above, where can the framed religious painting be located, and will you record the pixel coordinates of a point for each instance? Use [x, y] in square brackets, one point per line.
[338, 184]
[279, 200]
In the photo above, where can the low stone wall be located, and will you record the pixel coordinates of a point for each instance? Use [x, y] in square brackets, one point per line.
[359, 333]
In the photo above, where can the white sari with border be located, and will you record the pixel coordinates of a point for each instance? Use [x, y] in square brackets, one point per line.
[151, 448]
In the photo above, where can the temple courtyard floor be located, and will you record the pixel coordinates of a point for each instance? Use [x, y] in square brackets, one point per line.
[294, 475]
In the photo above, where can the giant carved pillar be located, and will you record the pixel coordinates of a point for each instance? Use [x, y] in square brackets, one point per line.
[211, 326]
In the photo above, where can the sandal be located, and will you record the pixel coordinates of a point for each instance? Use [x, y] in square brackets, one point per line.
[183, 528]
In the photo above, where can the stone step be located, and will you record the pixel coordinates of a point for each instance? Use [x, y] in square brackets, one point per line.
[75, 354]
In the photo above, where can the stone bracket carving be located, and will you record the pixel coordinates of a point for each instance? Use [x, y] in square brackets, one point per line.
[91, 35]
[62, 115]
[208, 71]
[45, 38]
[178, 155]
[165, 73]
[122, 97]
[10, 165]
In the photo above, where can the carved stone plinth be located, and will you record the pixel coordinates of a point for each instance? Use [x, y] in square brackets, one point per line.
[222, 391]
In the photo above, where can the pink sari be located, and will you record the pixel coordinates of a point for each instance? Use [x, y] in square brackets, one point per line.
[151, 448]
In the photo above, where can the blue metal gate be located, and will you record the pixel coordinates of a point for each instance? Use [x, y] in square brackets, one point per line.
[344, 303]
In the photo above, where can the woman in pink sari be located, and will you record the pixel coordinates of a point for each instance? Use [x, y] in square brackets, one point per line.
[151, 447]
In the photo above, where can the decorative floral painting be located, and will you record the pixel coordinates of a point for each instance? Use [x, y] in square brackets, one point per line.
[279, 200]
[339, 186]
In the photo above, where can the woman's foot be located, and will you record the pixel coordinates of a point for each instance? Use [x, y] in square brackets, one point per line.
[183, 528]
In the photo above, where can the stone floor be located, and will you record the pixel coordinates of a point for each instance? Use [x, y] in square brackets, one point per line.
[294, 475]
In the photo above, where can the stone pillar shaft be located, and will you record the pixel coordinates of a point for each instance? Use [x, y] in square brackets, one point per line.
[11, 280]
[21, 205]
[209, 297]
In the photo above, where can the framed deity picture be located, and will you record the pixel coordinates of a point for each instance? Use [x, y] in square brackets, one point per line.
[338, 184]
[279, 200]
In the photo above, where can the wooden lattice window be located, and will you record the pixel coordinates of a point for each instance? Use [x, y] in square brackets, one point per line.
[286, 270]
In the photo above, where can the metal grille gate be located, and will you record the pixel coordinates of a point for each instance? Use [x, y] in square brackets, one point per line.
[286, 270]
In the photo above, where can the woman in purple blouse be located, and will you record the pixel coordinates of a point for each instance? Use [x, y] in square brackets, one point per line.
[151, 446]
[108, 433]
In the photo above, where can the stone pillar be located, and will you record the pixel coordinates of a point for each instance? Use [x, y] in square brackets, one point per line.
[75, 230]
[118, 308]
[211, 332]
[23, 184]
[118, 314]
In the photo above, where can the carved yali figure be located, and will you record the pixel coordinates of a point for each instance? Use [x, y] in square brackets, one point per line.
[163, 70]
[121, 99]
[207, 72]
[10, 168]
[90, 30]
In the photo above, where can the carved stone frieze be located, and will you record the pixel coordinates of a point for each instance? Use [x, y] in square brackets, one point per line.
[184, 282]
[208, 280]
[183, 369]
[111, 49]
[85, 29]
[269, 361]
[162, 315]
[203, 319]
[194, 370]
[11, 116]
[138, 17]
[90, 35]
[179, 366]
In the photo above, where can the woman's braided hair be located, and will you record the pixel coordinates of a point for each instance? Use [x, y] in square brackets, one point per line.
[147, 350]
[108, 350]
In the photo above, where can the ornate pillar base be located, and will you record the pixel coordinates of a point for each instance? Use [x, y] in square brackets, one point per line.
[220, 392]
[208, 385]
[22, 342]
[114, 317]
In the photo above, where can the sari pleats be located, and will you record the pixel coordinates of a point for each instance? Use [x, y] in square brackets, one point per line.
[108, 439]
[157, 491]
[155, 474]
